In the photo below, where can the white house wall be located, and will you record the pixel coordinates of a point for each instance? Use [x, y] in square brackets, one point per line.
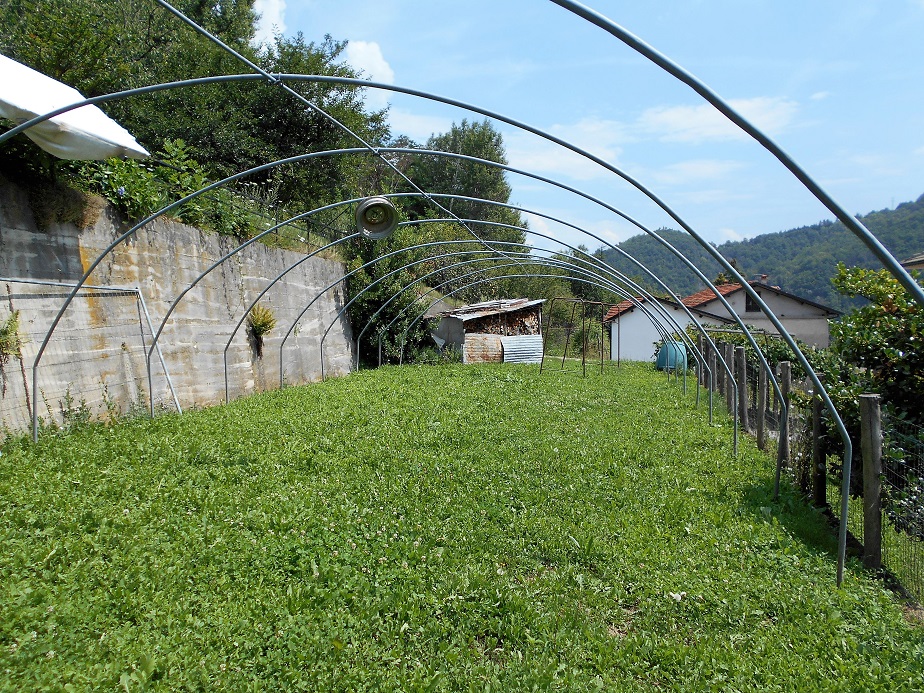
[633, 335]
[804, 321]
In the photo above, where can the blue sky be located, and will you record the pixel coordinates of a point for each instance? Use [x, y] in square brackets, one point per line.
[838, 84]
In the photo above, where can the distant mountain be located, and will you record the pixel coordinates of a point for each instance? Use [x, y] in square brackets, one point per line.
[800, 261]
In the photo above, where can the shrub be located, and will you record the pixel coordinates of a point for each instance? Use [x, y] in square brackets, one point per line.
[10, 341]
[140, 188]
[260, 321]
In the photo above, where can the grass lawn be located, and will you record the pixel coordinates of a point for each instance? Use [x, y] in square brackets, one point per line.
[430, 528]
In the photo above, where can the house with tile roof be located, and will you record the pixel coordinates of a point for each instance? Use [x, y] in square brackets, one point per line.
[633, 336]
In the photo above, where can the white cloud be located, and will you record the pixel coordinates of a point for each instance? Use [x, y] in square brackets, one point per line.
[366, 56]
[877, 164]
[417, 127]
[821, 95]
[596, 135]
[695, 171]
[713, 196]
[539, 225]
[730, 235]
[608, 230]
[545, 158]
[272, 19]
[606, 139]
[703, 123]
[602, 138]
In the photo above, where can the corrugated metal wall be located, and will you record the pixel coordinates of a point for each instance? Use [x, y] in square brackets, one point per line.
[492, 348]
[522, 349]
[482, 348]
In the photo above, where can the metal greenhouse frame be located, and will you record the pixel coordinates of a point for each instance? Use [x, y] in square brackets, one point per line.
[501, 257]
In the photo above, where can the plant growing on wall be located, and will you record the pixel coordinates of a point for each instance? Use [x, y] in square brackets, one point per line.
[260, 321]
[10, 341]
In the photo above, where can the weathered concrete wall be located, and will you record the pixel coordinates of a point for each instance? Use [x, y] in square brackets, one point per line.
[97, 354]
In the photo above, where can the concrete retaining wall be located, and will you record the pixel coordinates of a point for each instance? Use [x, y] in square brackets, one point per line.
[97, 354]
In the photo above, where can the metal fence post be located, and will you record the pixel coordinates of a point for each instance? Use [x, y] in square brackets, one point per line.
[701, 345]
[871, 445]
[741, 368]
[819, 461]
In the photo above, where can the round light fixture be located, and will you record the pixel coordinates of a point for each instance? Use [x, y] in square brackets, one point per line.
[376, 218]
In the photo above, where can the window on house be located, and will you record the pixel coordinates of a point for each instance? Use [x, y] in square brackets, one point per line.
[750, 305]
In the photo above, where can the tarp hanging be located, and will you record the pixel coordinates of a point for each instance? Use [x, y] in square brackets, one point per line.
[84, 133]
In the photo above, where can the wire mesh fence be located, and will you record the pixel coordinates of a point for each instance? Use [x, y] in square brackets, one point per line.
[898, 543]
[573, 331]
[903, 502]
[809, 463]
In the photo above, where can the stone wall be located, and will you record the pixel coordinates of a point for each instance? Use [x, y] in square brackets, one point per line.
[97, 354]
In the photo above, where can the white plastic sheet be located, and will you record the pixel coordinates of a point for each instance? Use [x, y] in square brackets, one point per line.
[84, 133]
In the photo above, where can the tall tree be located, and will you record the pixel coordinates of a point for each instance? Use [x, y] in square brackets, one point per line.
[437, 174]
[103, 46]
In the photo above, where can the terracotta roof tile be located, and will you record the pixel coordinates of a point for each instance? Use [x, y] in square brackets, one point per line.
[621, 308]
[707, 295]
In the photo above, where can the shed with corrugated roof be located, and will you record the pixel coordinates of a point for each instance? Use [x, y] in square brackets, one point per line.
[505, 330]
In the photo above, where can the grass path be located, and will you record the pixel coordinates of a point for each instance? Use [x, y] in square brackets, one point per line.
[430, 528]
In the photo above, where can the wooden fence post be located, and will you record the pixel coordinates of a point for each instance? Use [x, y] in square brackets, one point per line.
[871, 443]
[722, 376]
[762, 408]
[819, 458]
[713, 363]
[782, 455]
[741, 368]
[730, 386]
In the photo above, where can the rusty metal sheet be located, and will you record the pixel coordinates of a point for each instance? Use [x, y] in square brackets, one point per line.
[482, 310]
[482, 348]
[522, 349]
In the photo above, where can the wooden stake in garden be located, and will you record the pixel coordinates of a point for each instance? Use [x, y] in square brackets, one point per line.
[712, 367]
[819, 461]
[741, 369]
[762, 409]
[871, 444]
[782, 456]
[730, 385]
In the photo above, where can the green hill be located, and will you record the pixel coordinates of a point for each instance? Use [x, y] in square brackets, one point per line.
[801, 261]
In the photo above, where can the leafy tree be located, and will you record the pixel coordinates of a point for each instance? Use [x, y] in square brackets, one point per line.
[441, 175]
[884, 339]
[877, 348]
[377, 284]
[436, 174]
[103, 46]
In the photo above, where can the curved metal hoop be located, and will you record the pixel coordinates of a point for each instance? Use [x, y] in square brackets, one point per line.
[672, 68]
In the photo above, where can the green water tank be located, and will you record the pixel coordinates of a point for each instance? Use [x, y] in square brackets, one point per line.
[671, 355]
